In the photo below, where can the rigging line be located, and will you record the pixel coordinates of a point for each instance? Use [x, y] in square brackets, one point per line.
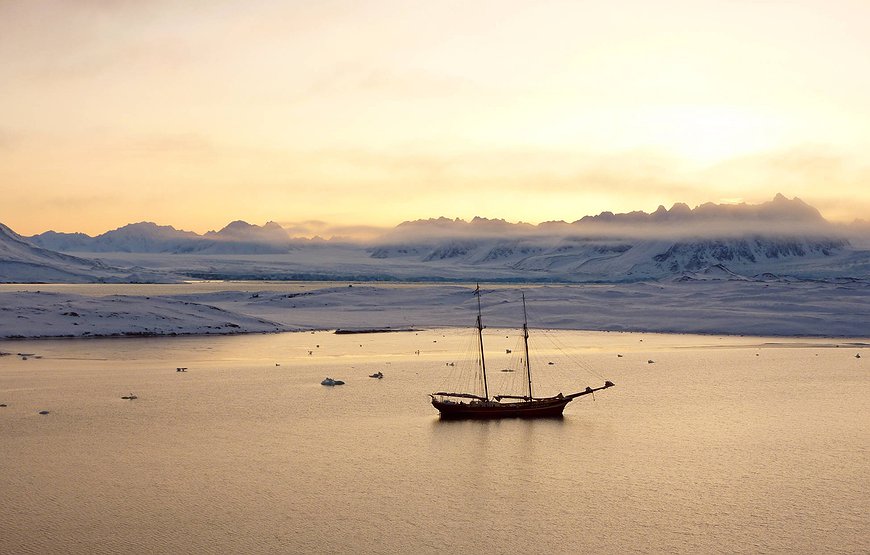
[518, 365]
[564, 351]
[470, 367]
[465, 375]
[504, 382]
[572, 358]
[457, 376]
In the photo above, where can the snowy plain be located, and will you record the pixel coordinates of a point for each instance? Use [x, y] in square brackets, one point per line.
[773, 269]
[734, 307]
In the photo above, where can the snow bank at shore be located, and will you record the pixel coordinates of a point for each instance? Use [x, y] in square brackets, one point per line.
[43, 314]
[720, 307]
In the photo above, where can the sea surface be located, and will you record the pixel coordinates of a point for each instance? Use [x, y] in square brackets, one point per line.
[707, 444]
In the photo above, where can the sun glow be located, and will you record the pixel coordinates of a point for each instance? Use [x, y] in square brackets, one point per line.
[117, 112]
[704, 135]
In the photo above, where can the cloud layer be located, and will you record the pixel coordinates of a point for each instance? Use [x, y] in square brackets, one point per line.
[368, 114]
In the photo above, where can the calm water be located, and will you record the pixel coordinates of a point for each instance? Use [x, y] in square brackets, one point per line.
[722, 445]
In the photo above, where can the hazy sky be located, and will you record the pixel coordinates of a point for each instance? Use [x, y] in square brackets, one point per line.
[369, 113]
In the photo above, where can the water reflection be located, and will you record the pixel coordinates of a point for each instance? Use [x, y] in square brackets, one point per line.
[708, 450]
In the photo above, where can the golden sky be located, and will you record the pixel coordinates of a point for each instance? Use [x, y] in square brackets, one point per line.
[197, 113]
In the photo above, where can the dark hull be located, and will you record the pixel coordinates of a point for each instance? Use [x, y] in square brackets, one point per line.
[539, 408]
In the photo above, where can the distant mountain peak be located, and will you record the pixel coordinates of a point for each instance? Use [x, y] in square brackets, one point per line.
[23, 261]
[795, 208]
[150, 229]
[236, 225]
[239, 236]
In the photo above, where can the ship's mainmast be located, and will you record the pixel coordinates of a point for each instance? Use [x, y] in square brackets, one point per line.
[480, 341]
[526, 343]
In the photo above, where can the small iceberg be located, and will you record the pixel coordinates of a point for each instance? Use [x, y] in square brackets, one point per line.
[329, 381]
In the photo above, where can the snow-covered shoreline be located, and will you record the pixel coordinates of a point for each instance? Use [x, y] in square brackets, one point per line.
[805, 309]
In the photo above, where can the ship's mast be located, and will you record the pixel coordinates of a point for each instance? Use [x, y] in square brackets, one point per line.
[526, 343]
[480, 341]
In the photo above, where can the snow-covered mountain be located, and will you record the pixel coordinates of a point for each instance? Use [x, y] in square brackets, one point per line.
[633, 259]
[780, 216]
[778, 211]
[694, 255]
[784, 238]
[781, 236]
[147, 237]
[24, 262]
[240, 237]
[64, 242]
[138, 237]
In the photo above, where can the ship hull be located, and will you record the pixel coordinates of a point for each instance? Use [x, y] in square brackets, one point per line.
[539, 408]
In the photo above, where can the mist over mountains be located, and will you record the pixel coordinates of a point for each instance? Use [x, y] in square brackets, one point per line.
[780, 216]
[782, 237]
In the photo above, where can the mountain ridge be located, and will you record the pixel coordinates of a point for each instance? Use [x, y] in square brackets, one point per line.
[781, 237]
[775, 214]
[21, 261]
[148, 237]
[778, 216]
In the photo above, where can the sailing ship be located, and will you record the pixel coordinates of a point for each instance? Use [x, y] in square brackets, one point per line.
[461, 405]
